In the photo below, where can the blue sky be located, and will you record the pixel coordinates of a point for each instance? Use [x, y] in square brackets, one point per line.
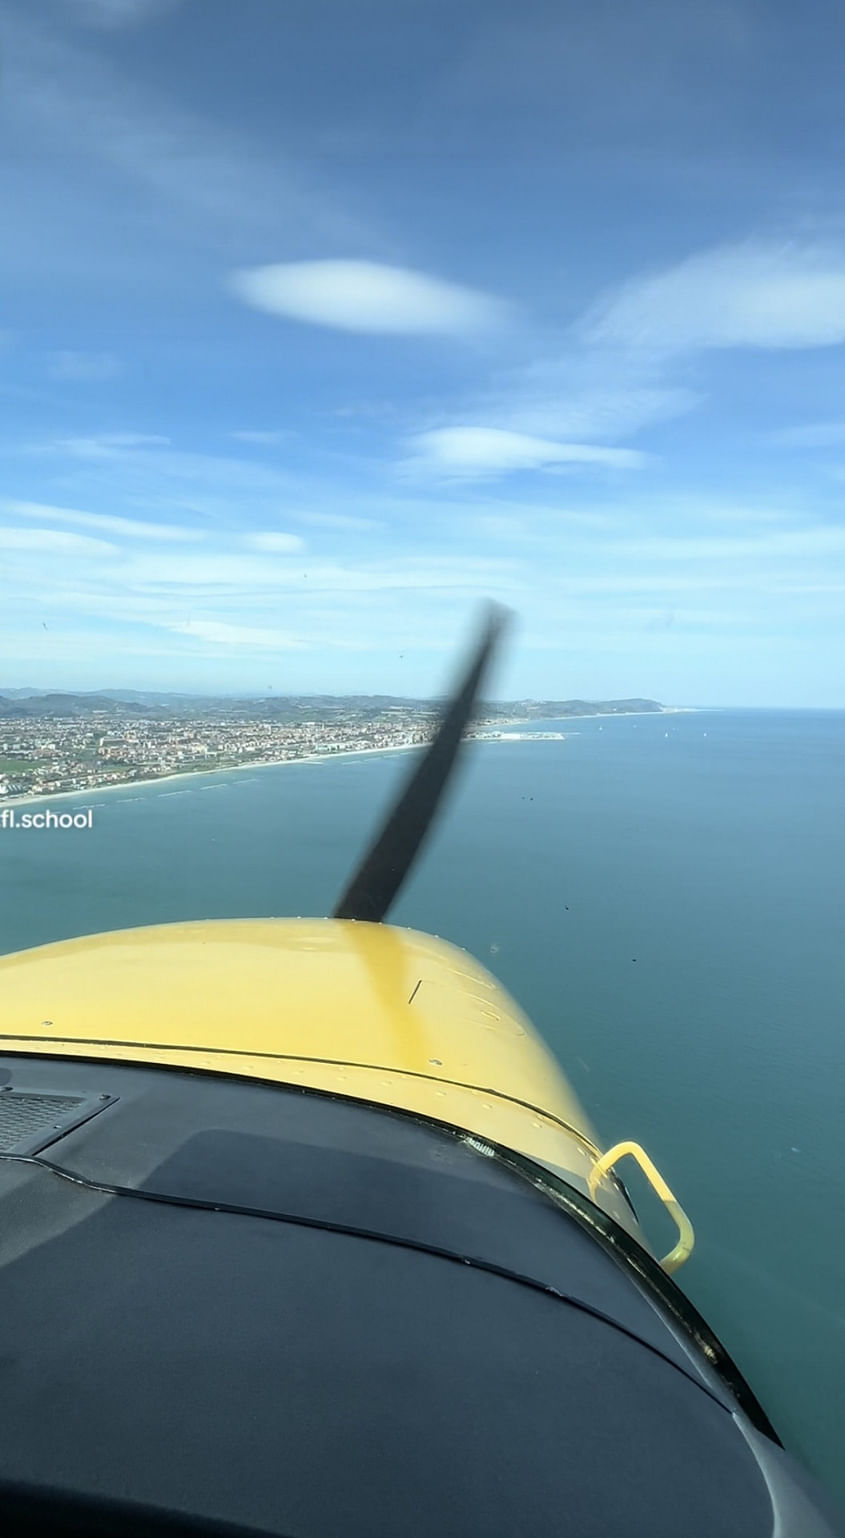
[322, 322]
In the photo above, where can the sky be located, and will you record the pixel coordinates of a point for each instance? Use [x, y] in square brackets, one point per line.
[321, 323]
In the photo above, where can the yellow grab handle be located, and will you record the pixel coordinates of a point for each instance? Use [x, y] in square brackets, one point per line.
[686, 1237]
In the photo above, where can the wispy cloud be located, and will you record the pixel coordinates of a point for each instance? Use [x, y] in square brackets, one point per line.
[106, 523]
[274, 542]
[812, 435]
[342, 522]
[259, 437]
[582, 393]
[52, 542]
[222, 634]
[573, 404]
[261, 577]
[84, 367]
[754, 295]
[364, 296]
[814, 541]
[112, 15]
[106, 445]
[589, 446]
[64, 96]
[488, 451]
[250, 492]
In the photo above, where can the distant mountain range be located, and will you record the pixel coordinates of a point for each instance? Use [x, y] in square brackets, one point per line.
[21, 702]
[125, 696]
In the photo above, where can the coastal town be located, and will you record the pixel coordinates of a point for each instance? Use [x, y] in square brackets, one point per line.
[56, 744]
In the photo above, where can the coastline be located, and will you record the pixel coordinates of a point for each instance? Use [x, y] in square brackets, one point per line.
[93, 792]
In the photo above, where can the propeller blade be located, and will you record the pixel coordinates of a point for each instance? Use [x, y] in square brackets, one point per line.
[387, 862]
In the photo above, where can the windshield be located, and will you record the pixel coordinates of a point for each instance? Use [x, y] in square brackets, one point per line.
[322, 324]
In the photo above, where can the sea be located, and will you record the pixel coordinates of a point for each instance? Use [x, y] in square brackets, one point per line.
[665, 897]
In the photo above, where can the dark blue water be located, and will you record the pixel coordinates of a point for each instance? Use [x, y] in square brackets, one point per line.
[666, 898]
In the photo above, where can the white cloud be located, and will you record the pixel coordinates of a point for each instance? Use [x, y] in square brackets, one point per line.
[495, 451]
[274, 541]
[752, 295]
[53, 542]
[222, 634]
[107, 523]
[550, 411]
[84, 367]
[366, 296]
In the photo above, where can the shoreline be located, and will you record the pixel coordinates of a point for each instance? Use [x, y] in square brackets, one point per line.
[93, 791]
[196, 774]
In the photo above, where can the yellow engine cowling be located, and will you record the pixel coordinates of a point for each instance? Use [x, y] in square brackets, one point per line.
[362, 1010]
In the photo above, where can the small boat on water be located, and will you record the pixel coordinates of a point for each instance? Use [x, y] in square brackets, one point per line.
[304, 1233]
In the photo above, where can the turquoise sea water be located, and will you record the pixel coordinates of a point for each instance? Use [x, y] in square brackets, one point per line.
[666, 898]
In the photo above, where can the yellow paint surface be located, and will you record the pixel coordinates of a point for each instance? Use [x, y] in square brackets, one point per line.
[365, 1010]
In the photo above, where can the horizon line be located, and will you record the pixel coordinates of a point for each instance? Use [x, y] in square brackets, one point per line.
[24, 691]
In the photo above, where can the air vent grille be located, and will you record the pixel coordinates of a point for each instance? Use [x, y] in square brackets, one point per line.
[29, 1120]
